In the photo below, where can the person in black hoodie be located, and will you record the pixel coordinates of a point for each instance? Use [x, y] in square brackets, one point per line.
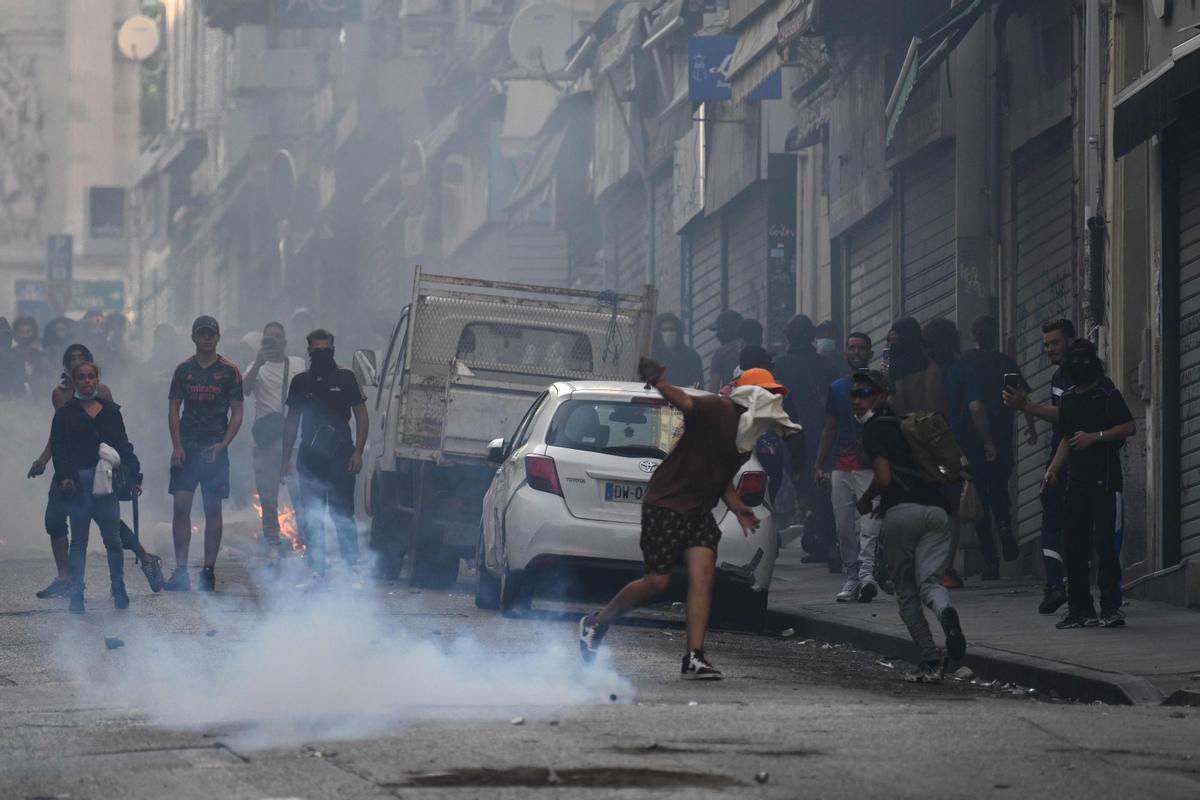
[681, 361]
[80, 426]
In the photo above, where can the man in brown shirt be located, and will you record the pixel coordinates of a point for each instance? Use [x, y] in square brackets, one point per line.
[677, 518]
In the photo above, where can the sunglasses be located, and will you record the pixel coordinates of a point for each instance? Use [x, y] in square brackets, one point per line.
[863, 393]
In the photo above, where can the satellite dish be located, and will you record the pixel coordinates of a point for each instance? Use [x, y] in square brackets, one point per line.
[540, 35]
[138, 38]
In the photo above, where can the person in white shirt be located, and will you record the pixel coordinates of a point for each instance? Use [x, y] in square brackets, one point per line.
[266, 384]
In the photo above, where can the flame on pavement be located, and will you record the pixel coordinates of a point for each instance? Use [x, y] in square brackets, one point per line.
[288, 530]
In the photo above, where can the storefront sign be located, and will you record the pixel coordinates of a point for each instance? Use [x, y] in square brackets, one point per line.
[709, 61]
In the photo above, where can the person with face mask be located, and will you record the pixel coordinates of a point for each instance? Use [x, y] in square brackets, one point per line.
[205, 415]
[680, 360]
[843, 469]
[915, 532]
[88, 430]
[320, 403]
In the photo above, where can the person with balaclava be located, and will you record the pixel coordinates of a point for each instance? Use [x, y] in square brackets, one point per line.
[682, 361]
[320, 403]
[725, 360]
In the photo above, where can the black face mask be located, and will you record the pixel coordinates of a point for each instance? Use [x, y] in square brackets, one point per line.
[321, 360]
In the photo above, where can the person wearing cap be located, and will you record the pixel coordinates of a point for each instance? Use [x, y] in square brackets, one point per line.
[205, 416]
[916, 526]
[677, 512]
[725, 360]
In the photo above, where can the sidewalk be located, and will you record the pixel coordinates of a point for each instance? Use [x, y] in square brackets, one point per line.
[1152, 658]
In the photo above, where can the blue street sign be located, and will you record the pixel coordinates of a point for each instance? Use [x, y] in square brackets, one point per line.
[59, 250]
[709, 61]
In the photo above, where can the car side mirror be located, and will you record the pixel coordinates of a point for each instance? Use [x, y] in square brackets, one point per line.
[497, 451]
[365, 369]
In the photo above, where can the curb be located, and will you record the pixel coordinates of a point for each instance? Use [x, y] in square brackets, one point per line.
[1068, 680]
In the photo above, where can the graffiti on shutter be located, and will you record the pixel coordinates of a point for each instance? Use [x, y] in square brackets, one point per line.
[1045, 214]
[927, 236]
[869, 270]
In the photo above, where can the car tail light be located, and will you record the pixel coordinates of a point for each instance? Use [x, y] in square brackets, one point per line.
[542, 475]
[752, 488]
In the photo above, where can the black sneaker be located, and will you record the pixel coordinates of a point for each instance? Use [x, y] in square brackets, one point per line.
[120, 597]
[1072, 621]
[1112, 619]
[179, 581]
[1052, 599]
[152, 569]
[1008, 544]
[956, 643]
[591, 634]
[58, 588]
[77, 606]
[697, 668]
[926, 672]
[208, 580]
[868, 592]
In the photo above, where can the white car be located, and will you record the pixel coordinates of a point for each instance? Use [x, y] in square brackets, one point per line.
[564, 507]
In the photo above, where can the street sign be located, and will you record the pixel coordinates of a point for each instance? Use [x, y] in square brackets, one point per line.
[59, 253]
[709, 61]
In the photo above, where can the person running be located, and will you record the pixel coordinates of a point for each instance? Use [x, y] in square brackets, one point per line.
[57, 505]
[1093, 423]
[677, 518]
[266, 382]
[680, 360]
[858, 534]
[208, 390]
[87, 440]
[915, 532]
[1057, 337]
[320, 403]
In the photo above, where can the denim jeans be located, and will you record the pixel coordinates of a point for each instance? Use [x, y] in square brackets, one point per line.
[327, 485]
[84, 507]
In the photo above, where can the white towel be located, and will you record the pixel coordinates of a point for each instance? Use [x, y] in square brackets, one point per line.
[764, 411]
[102, 484]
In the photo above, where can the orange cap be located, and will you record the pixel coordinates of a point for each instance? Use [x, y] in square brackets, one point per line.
[761, 378]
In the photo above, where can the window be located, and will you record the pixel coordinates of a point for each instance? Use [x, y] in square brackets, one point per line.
[648, 428]
[521, 435]
[393, 361]
[501, 346]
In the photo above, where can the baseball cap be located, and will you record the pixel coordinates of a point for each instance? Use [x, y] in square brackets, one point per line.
[761, 378]
[871, 377]
[205, 321]
[726, 320]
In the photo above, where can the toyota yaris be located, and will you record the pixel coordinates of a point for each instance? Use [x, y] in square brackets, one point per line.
[563, 512]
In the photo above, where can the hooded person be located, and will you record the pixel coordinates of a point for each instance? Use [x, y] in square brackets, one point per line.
[680, 360]
[57, 334]
[725, 360]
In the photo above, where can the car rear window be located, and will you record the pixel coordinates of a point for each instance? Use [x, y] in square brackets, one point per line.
[502, 345]
[624, 428]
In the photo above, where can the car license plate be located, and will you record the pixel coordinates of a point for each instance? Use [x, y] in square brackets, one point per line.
[624, 492]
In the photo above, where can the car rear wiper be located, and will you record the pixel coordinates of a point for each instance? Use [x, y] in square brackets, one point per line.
[634, 450]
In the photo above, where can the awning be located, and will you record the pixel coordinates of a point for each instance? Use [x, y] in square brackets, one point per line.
[535, 180]
[928, 50]
[628, 36]
[1151, 103]
[526, 110]
[669, 20]
[756, 58]
[171, 150]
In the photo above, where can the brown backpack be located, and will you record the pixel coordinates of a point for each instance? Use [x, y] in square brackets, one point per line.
[939, 459]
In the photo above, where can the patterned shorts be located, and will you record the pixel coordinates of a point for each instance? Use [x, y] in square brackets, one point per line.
[666, 534]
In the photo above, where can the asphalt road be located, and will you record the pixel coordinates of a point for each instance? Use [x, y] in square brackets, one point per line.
[266, 692]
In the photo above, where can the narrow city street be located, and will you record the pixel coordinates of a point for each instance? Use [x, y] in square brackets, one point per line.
[476, 705]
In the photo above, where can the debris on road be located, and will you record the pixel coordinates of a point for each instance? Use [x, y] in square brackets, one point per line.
[211, 633]
[788, 633]
[692, 703]
[762, 777]
[881, 662]
[518, 721]
[112, 642]
[964, 673]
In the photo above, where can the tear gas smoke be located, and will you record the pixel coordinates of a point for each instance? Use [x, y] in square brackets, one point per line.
[322, 666]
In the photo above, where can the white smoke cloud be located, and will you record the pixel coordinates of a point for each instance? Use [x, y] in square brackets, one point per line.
[329, 665]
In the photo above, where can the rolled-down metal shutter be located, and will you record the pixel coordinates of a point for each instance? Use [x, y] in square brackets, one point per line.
[746, 251]
[869, 267]
[927, 271]
[1045, 220]
[705, 282]
[1189, 340]
[667, 272]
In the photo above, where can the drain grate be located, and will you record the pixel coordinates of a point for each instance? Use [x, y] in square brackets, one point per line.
[593, 777]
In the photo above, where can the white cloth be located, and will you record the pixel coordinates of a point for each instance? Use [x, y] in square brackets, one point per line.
[102, 483]
[764, 411]
[268, 394]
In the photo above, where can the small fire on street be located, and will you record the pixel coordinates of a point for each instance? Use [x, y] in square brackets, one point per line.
[288, 530]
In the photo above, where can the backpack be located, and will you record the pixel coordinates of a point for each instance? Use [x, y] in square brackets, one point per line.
[935, 451]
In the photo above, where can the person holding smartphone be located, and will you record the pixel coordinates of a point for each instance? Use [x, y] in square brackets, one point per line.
[266, 383]
[205, 415]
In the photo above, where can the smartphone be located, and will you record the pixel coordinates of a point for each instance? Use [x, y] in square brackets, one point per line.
[1012, 380]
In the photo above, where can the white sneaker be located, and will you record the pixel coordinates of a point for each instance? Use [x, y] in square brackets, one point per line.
[850, 590]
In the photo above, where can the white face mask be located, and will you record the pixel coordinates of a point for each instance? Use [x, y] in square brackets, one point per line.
[825, 347]
[865, 418]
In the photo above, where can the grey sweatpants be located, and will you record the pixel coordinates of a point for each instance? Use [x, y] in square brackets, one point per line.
[916, 540]
[858, 535]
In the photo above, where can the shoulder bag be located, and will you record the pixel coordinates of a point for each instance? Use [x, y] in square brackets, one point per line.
[267, 430]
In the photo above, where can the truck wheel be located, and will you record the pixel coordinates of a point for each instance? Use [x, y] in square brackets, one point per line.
[516, 600]
[487, 586]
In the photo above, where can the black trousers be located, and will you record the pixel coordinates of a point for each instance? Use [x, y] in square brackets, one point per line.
[1092, 519]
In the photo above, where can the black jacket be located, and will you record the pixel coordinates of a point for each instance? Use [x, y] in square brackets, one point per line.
[75, 440]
